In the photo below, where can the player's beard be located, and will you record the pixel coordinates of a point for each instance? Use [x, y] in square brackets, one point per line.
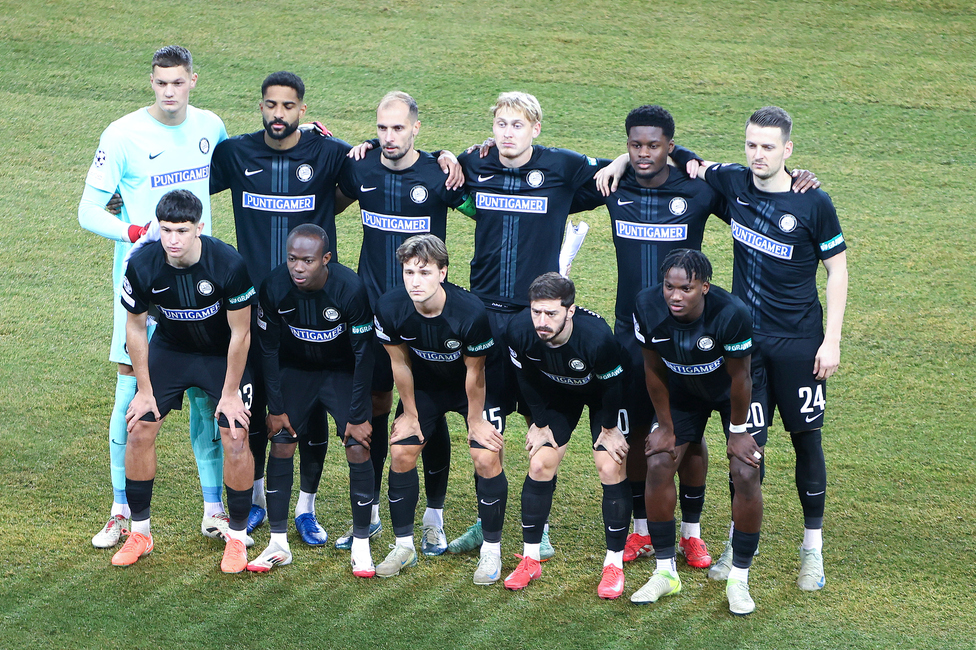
[549, 338]
[400, 153]
[274, 135]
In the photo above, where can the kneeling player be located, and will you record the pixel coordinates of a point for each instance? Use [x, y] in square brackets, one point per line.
[688, 330]
[437, 335]
[315, 329]
[201, 288]
[567, 358]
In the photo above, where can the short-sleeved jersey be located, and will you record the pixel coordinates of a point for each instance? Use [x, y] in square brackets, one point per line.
[395, 205]
[437, 346]
[328, 329]
[273, 191]
[648, 223]
[586, 366]
[695, 352]
[779, 238]
[143, 159]
[193, 302]
[520, 216]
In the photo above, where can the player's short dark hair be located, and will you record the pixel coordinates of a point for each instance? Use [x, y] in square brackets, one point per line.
[773, 116]
[651, 115]
[694, 263]
[427, 248]
[413, 111]
[172, 56]
[311, 231]
[284, 78]
[179, 206]
[552, 286]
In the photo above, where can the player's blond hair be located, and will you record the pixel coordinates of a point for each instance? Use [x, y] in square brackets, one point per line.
[519, 102]
[400, 96]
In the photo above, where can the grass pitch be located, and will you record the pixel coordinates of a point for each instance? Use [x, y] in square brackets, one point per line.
[882, 94]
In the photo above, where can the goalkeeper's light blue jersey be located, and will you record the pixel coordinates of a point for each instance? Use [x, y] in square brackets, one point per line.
[144, 159]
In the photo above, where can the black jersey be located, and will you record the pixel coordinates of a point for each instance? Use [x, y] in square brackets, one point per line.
[274, 191]
[648, 223]
[586, 367]
[695, 352]
[328, 329]
[521, 214]
[436, 345]
[779, 239]
[395, 205]
[193, 302]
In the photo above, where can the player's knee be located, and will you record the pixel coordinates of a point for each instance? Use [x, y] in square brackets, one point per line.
[283, 450]
[744, 477]
[357, 454]
[487, 464]
[660, 468]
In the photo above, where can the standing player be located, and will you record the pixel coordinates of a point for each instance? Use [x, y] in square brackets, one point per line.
[566, 358]
[316, 334]
[281, 177]
[654, 210]
[689, 330]
[437, 335]
[200, 287]
[142, 156]
[401, 192]
[780, 238]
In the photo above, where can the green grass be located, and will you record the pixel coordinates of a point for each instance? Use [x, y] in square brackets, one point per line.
[882, 93]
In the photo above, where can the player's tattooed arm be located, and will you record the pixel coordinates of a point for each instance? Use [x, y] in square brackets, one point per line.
[828, 356]
[479, 429]
[661, 438]
[741, 445]
[231, 405]
[406, 424]
[137, 344]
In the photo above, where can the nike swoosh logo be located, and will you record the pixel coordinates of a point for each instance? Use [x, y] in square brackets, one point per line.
[160, 290]
[363, 188]
[271, 491]
[532, 358]
[318, 444]
[654, 340]
[364, 504]
[619, 202]
[155, 156]
[616, 530]
[436, 471]
[287, 311]
[530, 526]
[688, 496]
[408, 338]
[248, 172]
[740, 201]
[482, 179]
[395, 500]
[485, 503]
[815, 494]
[811, 418]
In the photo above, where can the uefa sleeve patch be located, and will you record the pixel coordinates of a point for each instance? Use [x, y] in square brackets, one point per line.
[739, 347]
[243, 297]
[832, 243]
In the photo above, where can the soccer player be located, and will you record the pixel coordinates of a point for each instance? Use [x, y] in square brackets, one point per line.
[142, 156]
[281, 177]
[654, 210]
[199, 286]
[567, 358]
[316, 335]
[689, 329]
[401, 192]
[780, 238]
[437, 335]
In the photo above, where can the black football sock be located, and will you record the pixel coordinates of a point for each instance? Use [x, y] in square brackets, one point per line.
[281, 472]
[492, 499]
[617, 504]
[404, 493]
